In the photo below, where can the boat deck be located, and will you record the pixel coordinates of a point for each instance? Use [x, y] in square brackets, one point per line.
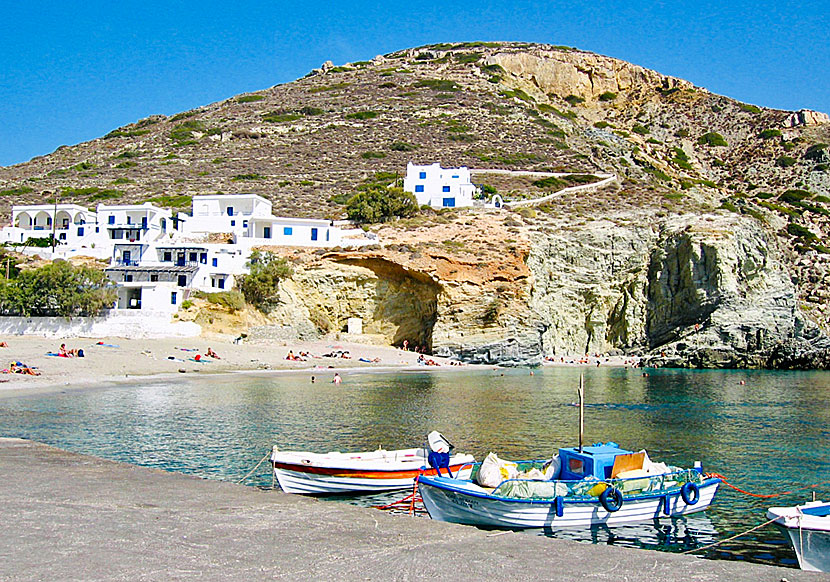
[65, 516]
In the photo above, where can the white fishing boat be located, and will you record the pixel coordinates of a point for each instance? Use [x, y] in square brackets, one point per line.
[601, 484]
[808, 527]
[366, 472]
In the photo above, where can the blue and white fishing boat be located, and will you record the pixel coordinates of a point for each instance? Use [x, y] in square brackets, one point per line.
[808, 527]
[598, 484]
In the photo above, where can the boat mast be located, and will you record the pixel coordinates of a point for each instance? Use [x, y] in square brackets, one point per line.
[581, 394]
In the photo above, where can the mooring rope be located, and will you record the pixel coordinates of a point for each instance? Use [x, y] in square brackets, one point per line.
[768, 496]
[730, 538]
[251, 472]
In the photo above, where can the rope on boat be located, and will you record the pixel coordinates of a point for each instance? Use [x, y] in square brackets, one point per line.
[731, 538]
[251, 472]
[412, 499]
[769, 496]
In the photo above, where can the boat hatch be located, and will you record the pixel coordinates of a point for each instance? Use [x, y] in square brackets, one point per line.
[596, 461]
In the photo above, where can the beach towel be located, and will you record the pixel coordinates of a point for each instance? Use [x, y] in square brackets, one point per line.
[56, 355]
[102, 344]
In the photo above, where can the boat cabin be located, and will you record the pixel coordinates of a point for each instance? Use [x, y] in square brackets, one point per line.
[594, 461]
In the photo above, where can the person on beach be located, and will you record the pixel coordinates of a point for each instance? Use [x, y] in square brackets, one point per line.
[337, 379]
[212, 354]
[65, 352]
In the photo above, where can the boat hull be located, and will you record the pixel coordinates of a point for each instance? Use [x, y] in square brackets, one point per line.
[452, 502]
[309, 483]
[808, 528]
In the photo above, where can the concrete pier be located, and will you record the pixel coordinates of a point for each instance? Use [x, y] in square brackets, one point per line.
[65, 517]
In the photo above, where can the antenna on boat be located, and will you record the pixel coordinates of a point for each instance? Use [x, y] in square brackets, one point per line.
[581, 394]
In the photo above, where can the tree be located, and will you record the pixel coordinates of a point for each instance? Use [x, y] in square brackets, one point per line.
[376, 203]
[262, 284]
[57, 289]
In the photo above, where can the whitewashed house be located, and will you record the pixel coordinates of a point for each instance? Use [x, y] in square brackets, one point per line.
[72, 224]
[226, 213]
[439, 187]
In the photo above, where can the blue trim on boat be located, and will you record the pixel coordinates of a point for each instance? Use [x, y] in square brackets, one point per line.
[818, 511]
[450, 485]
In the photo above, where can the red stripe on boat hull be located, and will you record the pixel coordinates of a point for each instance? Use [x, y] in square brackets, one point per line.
[362, 474]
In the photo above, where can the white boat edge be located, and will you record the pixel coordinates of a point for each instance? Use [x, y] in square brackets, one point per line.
[808, 534]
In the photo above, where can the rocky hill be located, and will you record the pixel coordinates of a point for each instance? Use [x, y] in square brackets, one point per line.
[712, 249]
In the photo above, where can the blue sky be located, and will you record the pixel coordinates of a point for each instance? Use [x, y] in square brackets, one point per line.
[73, 71]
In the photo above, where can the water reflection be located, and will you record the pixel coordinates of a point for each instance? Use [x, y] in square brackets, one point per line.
[767, 434]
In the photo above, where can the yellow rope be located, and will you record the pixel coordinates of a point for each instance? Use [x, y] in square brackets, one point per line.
[268, 454]
[730, 539]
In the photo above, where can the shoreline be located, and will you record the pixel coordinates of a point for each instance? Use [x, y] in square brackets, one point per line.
[112, 360]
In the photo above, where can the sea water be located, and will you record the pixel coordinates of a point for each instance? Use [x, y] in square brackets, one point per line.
[767, 432]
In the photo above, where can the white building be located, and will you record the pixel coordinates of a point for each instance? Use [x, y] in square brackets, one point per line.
[228, 213]
[439, 187]
[71, 224]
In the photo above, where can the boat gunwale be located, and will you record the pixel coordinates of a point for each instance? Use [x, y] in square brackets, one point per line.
[547, 501]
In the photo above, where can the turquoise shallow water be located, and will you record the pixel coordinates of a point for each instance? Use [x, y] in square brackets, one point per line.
[768, 435]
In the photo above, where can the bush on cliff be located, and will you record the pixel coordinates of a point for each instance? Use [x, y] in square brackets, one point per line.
[262, 284]
[57, 289]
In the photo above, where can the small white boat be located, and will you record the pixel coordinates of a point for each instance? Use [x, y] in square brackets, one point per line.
[366, 472]
[808, 526]
[595, 486]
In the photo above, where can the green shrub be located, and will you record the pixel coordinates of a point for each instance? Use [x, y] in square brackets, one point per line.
[308, 110]
[770, 133]
[607, 96]
[550, 183]
[187, 304]
[231, 300]
[764, 195]
[402, 146]
[602, 124]
[822, 198]
[712, 139]
[325, 88]
[372, 155]
[183, 133]
[793, 196]
[517, 94]
[784, 161]
[281, 117]
[468, 57]
[249, 98]
[362, 115]
[640, 129]
[252, 176]
[749, 108]
[682, 132]
[800, 231]
[375, 203]
[16, 191]
[126, 165]
[574, 100]
[492, 69]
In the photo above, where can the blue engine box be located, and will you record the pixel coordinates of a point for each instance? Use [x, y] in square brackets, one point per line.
[594, 461]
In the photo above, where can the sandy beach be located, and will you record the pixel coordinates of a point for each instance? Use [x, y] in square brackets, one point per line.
[117, 359]
[114, 359]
